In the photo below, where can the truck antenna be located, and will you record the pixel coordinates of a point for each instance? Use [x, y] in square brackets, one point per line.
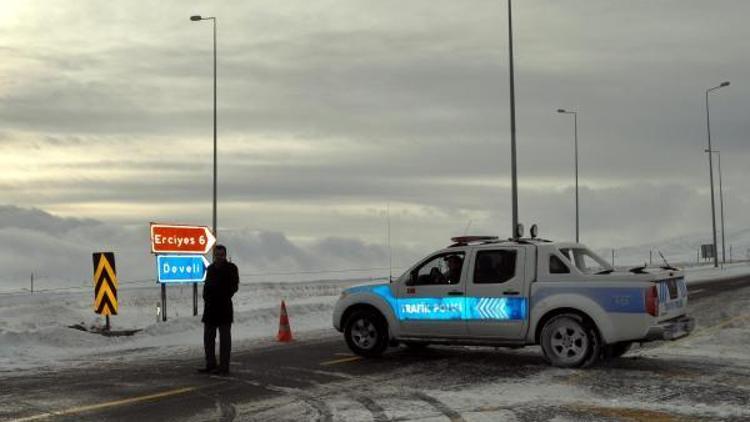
[466, 230]
[664, 259]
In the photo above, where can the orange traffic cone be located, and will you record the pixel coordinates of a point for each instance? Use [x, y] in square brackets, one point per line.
[285, 332]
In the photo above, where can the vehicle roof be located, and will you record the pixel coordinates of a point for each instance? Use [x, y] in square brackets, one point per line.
[517, 242]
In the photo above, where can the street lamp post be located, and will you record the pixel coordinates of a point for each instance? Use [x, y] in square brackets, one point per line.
[575, 141]
[198, 18]
[721, 206]
[514, 174]
[711, 169]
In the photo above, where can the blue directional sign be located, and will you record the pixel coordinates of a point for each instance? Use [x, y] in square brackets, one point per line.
[181, 268]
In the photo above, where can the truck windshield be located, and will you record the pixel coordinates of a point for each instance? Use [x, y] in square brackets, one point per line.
[586, 261]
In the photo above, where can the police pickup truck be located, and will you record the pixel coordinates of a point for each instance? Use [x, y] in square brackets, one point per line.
[485, 291]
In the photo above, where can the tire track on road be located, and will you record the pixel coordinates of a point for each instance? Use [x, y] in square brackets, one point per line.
[378, 412]
[324, 411]
[441, 407]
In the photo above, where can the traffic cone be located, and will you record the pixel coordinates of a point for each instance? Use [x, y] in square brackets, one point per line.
[285, 332]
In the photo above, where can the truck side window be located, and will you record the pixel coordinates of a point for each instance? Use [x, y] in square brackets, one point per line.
[586, 261]
[494, 267]
[441, 270]
[556, 266]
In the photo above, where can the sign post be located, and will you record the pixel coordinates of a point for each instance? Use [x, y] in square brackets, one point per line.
[179, 249]
[163, 302]
[105, 285]
[195, 299]
[708, 251]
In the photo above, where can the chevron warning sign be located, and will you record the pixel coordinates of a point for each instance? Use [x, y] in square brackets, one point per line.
[105, 284]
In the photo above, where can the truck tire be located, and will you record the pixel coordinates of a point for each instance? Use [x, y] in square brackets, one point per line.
[366, 333]
[568, 341]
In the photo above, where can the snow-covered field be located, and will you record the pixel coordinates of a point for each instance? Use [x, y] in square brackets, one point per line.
[34, 329]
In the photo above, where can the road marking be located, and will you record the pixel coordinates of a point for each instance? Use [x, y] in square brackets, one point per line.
[344, 354]
[343, 360]
[639, 415]
[100, 406]
[320, 372]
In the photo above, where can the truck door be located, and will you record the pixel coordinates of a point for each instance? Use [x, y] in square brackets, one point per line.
[497, 297]
[431, 302]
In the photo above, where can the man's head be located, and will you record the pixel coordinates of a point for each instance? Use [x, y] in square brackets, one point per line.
[220, 254]
[454, 262]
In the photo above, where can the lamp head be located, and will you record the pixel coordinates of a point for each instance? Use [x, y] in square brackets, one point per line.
[725, 83]
[561, 110]
[196, 18]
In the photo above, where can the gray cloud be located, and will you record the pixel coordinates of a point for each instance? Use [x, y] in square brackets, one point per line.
[330, 110]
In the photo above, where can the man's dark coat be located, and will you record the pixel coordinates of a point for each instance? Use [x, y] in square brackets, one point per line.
[221, 284]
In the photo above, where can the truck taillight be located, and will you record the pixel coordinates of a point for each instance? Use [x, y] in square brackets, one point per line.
[652, 301]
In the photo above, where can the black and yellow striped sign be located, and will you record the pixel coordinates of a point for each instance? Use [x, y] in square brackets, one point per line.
[105, 283]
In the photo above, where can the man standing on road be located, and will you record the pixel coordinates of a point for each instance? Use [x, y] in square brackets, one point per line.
[222, 281]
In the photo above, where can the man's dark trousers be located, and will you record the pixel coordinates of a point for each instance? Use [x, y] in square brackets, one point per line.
[225, 345]
[222, 281]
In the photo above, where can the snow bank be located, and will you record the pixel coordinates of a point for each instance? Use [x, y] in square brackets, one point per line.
[34, 328]
[705, 273]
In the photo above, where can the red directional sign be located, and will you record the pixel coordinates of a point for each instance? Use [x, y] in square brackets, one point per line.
[171, 238]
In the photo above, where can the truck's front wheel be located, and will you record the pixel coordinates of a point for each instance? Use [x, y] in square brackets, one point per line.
[366, 333]
[568, 341]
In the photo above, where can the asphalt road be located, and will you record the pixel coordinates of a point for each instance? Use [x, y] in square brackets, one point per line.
[322, 380]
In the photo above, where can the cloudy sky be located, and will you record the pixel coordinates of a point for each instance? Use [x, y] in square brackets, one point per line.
[331, 110]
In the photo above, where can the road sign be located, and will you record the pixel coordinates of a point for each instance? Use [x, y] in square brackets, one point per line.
[105, 283]
[181, 268]
[170, 238]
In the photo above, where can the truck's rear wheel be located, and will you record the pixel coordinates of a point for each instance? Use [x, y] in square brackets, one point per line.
[366, 333]
[568, 341]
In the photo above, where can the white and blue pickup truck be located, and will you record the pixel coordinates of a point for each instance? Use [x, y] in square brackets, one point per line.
[484, 291]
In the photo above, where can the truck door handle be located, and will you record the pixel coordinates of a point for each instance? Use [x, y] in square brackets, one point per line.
[511, 293]
[455, 293]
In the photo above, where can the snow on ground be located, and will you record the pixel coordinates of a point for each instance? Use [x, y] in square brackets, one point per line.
[703, 273]
[34, 329]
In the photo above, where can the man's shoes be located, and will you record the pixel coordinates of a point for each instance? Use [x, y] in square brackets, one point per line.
[207, 370]
[222, 372]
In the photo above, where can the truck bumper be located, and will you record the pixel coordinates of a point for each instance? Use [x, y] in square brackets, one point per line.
[672, 329]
